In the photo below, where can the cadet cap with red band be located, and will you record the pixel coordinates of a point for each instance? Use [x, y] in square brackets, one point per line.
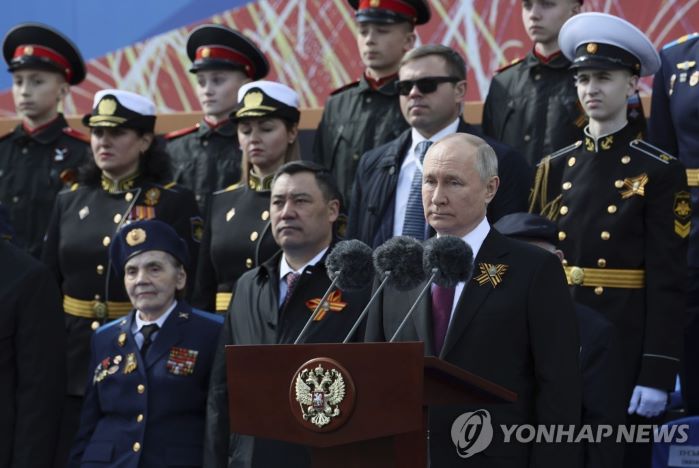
[391, 11]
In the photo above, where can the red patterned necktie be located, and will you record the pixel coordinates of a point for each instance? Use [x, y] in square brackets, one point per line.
[442, 302]
[291, 280]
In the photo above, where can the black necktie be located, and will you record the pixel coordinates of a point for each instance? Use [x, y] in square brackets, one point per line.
[147, 331]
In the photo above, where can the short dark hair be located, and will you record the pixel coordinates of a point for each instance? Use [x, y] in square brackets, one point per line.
[324, 179]
[456, 66]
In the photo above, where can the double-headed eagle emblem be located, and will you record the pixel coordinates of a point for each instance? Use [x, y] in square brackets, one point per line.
[319, 392]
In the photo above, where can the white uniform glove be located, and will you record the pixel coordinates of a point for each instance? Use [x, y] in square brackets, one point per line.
[647, 401]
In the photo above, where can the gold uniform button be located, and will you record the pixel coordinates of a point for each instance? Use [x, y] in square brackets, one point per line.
[248, 262]
[205, 143]
[618, 183]
[601, 263]
[611, 209]
[117, 218]
[527, 137]
[626, 160]
[599, 290]
[605, 235]
[141, 388]
[25, 150]
[98, 297]
[561, 236]
[571, 161]
[100, 269]
[564, 210]
[355, 156]
[567, 185]
[564, 262]
[95, 325]
[136, 447]
[128, 197]
[139, 418]
[254, 235]
[106, 241]
[265, 215]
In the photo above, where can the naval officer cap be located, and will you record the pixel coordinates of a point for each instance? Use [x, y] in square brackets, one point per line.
[599, 40]
[528, 226]
[391, 11]
[144, 236]
[260, 99]
[214, 46]
[117, 108]
[37, 46]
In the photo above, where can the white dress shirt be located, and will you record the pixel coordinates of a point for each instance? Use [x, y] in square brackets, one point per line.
[284, 268]
[138, 323]
[407, 170]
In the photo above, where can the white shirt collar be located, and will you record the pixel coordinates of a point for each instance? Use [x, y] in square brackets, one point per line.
[476, 237]
[446, 131]
[138, 322]
[284, 267]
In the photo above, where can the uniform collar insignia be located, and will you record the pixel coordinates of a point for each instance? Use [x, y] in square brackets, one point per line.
[490, 273]
[606, 142]
[260, 184]
[333, 303]
[114, 186]
[634, 186]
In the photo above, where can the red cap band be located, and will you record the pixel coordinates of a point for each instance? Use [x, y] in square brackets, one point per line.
[33, 50]
[227, 54]
[397, 6]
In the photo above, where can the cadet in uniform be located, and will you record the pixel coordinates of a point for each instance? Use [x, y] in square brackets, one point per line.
[145, 403]
[366, 114]
[673, 125]
[623, 211]
[126, 181]
[237, 237]
[206, 157]
[42, 153]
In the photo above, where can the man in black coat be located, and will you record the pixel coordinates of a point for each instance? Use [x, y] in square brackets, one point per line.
[32, 369]
[512, 323]
[272, 303]
[432, 86]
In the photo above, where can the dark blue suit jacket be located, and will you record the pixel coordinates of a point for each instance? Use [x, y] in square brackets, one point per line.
[152, 415]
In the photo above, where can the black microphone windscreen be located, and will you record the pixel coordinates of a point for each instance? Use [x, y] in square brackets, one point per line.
[351, 262]
[451, 256]
[402, 256]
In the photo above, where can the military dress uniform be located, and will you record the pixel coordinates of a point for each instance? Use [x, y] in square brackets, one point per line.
[206, 157]
[237, 238]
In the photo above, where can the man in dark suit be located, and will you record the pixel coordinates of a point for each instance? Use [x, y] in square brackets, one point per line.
[272, 303]
[146, 395]
[386, 195]
[32, 349]
[512, 323]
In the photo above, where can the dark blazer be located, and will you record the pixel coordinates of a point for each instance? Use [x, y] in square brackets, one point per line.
[521, 334]
[32, 370]
[373, 197]
[152, 415]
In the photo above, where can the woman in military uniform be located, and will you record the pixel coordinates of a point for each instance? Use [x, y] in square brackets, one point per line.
[237, 237]
[127, 180]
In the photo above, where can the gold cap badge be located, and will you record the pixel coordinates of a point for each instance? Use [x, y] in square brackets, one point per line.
[107, 106]
[253, 99]
[135, 237]
[29, 50]
[205, 52]
[591, 48]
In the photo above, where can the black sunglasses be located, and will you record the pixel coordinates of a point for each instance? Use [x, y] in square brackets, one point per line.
[425, 85]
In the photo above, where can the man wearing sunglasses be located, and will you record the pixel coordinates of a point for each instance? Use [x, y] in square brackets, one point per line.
[386, 199]
[365, 114]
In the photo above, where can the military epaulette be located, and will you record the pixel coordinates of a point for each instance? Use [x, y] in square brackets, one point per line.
[561, 152]
[230, 188]
[681, 40]
[71, 132]
[342, 88]
[652, 151]
[509, 65]
[170, 185]
[181, 132]
[208, 315]
[109, 325]
[74, 187]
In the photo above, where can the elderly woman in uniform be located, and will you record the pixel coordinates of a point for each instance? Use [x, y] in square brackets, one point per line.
[127, 180]
[237, 237]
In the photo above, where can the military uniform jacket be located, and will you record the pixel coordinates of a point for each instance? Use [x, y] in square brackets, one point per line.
[356, 119]
[254, 317]
[32, 166]
[77, 249]
[237, 238]
[533, 106]
[32, 370]
[147, 411]
[205, 159]
[623, 204]
[674, 122]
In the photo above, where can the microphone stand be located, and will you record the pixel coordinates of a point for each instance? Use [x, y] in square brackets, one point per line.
[320, 304]
[417, 301]
[386, 277]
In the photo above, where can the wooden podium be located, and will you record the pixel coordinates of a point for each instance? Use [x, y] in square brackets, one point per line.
[383, 416]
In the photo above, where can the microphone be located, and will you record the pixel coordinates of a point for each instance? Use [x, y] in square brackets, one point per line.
[448, 260]
[349, 267]
[397, 261]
